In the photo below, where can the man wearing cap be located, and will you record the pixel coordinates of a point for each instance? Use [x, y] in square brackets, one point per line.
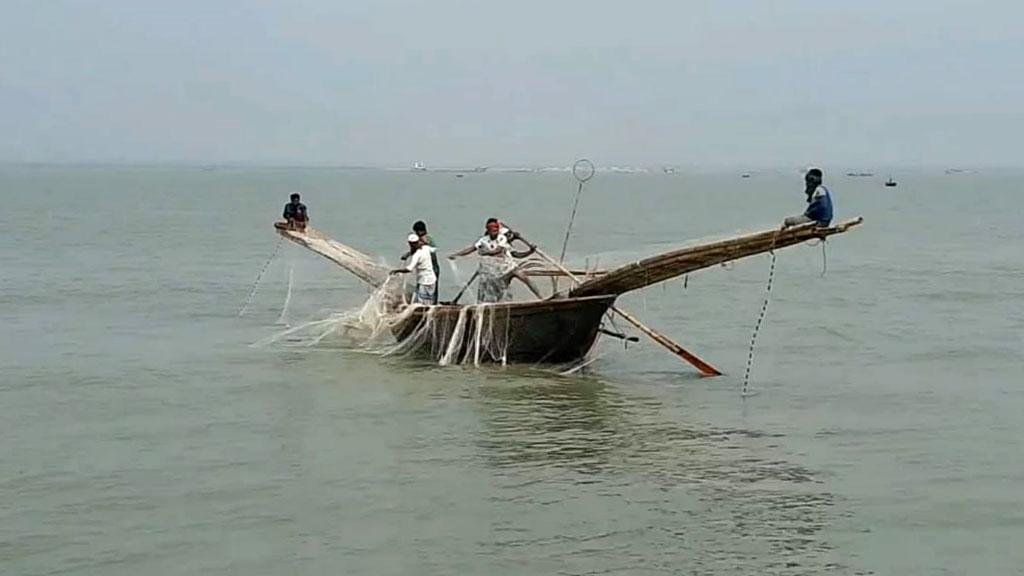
[420, 263]
[819, 202]
[295, 214]
[420, 229]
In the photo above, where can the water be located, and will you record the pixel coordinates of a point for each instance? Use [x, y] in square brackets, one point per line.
[143, 434]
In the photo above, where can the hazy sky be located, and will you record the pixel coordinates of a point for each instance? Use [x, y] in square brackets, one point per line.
[389, 82]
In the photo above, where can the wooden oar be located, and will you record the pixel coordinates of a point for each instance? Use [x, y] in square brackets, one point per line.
[704, 368]
[463, 291]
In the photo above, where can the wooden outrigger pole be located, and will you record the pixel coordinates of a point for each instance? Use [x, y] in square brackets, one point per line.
[704, 368]
[666, 265]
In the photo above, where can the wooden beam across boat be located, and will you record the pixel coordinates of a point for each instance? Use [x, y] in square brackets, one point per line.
[555, 273]
[668, 265]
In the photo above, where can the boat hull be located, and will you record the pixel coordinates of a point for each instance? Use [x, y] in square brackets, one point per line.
[544, 331]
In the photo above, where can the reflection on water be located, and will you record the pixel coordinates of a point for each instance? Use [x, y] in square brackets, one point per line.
[572, 422]
[663, 486]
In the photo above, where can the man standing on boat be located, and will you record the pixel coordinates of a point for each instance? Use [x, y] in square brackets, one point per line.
[421, 263]
[295, 214]
[497, 264]
[516, 273]
[420, 229]
[819, 202]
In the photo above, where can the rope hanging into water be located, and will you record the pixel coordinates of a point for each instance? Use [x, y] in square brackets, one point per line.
[824, 258]
[259, 277]
[824, 255]
[283, 318]
[583, 170]
[760, 317]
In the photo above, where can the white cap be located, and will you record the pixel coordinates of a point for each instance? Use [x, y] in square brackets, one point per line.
[413, 238]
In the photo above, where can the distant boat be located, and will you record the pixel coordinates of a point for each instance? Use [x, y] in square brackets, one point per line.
[890, 183]
[745, 175]
[668, 170]
[859, 174]
[420, 167]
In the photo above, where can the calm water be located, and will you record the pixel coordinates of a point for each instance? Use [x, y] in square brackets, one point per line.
[143, 434]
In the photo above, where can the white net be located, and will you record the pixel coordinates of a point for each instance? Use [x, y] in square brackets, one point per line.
[471, 334]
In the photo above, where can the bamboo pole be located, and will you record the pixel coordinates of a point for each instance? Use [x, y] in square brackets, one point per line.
[704, 368]
[661, 267]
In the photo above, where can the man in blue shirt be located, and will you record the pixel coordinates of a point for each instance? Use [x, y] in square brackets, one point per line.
[295, 213]
[819, 202]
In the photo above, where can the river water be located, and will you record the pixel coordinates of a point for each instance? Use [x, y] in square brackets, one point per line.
[144, 433]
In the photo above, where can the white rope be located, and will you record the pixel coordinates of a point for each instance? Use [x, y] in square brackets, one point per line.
[282, 319]
[259, 277]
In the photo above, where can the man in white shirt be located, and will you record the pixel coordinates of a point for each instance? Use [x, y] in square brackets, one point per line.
[497, 263]
[421, 263]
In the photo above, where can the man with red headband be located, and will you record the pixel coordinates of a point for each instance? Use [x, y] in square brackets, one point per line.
[497, 262]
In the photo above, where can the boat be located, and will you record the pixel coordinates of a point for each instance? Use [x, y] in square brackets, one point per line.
[559, 329]
[890, 183]
[421, 167]
[553, 331]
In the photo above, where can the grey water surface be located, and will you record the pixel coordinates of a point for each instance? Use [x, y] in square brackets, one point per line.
[143, 433]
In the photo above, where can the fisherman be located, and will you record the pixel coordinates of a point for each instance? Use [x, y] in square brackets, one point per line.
[295, 214]
[819, 202]
[497, 262]
[420, 263]
[420, 229]
[516, 273]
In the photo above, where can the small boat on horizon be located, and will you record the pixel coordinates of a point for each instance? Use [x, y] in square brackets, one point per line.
[890, 183]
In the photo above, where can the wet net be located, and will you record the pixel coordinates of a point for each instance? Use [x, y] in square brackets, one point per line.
[473, 334]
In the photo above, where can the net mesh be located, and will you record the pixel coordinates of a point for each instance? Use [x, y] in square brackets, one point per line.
[475, 334]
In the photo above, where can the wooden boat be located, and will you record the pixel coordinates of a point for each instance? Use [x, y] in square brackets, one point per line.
[559, 329]
[542, 331]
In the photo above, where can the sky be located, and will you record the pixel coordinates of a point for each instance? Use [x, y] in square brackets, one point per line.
[446, 82]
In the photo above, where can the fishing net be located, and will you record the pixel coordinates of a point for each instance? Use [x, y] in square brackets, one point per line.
[471, 334]
[387, 324]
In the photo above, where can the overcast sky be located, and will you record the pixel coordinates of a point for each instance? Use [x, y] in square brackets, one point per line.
[390, 82]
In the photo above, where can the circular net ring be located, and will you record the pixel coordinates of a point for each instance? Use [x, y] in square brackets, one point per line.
[583, 170]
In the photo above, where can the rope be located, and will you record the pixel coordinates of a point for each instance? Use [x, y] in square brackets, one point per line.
[824, 259]
[568, 229]
[582, 170]
[282, 319]
[824, 255]
[259, 277]
[760, 317]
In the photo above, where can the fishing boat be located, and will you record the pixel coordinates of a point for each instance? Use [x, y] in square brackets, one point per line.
[559, 329]
[890, 183]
